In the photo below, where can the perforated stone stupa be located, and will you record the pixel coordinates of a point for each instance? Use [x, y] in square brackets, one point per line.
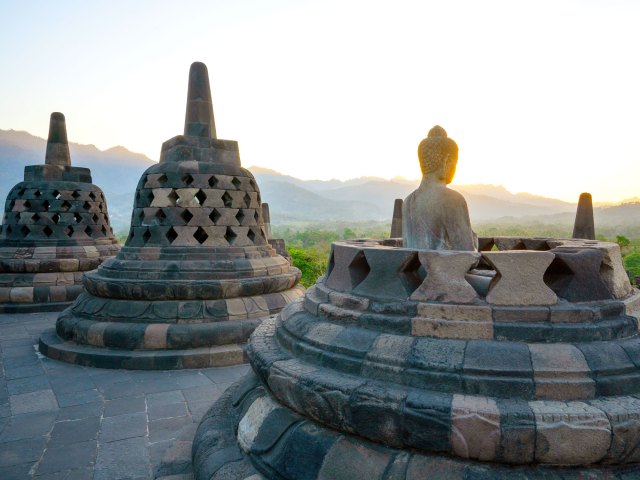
[55, 227]
[196, 275]
[395, 366]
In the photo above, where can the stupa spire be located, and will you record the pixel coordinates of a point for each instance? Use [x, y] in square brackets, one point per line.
[57, 144]
[199, 121]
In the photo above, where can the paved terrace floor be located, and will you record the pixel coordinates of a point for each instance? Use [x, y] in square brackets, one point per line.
[64, 422]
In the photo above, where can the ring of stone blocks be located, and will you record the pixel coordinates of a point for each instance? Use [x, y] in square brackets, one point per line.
[217, 356]
[565, 322]
[464, 366]
[277, 440]
[54, 259]
[169, 325]
[574, 432]
[181, 311]
[40, 294]
[370, 270]
[59, 210]
[159, 285]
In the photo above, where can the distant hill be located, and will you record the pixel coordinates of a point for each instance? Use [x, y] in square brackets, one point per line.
[292, 200]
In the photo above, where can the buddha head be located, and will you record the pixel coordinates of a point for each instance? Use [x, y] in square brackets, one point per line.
[438, 155]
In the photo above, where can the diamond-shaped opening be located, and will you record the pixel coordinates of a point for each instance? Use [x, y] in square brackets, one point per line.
[35, 217]
[88, 230]
[146, 235]
[86, 206]
[25, 231]
[558, 276]
[252, 235]
[256, 215]
[103, 230]
[236, 183]
[56, 194]
[411, 274]
[173, 197]
[12, 204]
[213, 181]
[160, 215]
[187, 216]
[47, 231]
[227, 200]
[64, 206]
[75, 194]
[330, 264]
[21, 192]
[95, 218]
[55, 218]
[18, 216]
[37, 193]
[141, 215]
[171, 235]
[358, 269]
[9, 230]
[162, 179]
[230, 236]
[259, 198]
[150, 197]
[69, 231]
[27, 204]
[92, 196]
[201, 197]
[253, 184]
[187, 179]
[200, 235]
[77, 217]
[247, 200]
[214, 216]
[240, 216]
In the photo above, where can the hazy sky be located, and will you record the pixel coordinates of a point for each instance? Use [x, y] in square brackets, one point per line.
[541, 96]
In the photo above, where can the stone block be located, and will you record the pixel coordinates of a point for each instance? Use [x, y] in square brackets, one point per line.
[519, 278]
[445, 277]
[570, 433]
[436, 327]
[349, 459]
[561, 372]
[475, 427]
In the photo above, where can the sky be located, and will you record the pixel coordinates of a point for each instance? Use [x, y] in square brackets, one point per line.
[541, 96]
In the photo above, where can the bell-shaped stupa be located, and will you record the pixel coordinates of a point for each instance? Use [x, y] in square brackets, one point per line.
[196, 275]
[55, 227]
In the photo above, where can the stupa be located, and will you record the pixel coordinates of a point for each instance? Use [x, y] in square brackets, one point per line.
[55, 227]
[394, 366]
[584, 225]
[196, 275]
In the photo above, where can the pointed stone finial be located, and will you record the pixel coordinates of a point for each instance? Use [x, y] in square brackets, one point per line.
[396, 221]
[266, 218]
[584, 224]
[57, 144]
[199, 121]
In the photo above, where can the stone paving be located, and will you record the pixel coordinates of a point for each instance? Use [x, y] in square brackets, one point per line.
[61, 421]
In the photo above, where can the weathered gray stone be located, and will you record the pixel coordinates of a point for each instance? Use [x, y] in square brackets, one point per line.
[396, 220]
[584, 226]
[519, 278]
[445, 281]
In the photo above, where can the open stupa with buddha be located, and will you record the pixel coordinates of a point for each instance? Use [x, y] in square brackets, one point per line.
[55, 227]
[441, 355]
[196, 275]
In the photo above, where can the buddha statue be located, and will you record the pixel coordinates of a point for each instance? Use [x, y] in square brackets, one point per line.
[434, 216]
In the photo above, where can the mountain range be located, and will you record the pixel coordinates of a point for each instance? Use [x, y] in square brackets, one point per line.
[292, 200]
